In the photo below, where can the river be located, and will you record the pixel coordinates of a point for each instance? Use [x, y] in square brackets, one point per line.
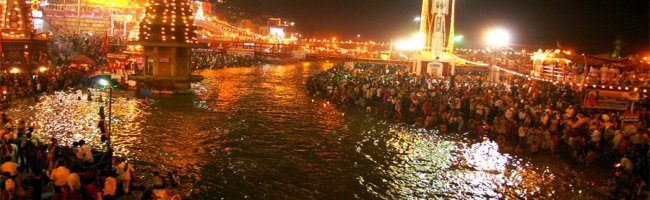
[256, 133]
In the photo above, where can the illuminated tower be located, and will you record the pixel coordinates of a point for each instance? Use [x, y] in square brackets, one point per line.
[167, 34]
[437, 26]
[21, 49]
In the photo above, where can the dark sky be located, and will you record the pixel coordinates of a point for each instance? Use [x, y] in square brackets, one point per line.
[583, 25]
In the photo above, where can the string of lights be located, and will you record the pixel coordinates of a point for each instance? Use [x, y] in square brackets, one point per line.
[532, 77]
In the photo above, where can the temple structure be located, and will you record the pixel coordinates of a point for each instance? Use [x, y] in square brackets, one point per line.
[167, 33]
[21, 48]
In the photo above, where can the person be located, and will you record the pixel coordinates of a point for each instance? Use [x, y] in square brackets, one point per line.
[102, 129]
[158, 181]
[110, 186]
[36, 180]
[627, 164]
[9, 167]
[148, 195]
[174, 179]
[60, 176]
[51, 158]
[74, 182]
[9, 186]
[124, 170]
[84, 152]
[90, 185]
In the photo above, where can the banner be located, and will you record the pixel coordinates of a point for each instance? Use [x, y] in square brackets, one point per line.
[631, 119]
[605, 99]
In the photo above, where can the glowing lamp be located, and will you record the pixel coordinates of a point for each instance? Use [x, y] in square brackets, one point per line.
[103, 82]
[498, 38]
[458, 38]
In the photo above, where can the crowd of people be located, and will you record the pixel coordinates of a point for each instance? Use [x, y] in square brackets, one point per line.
[521, 114]
[63, 47]
[212, 60]
[37, 167]
[23, 85]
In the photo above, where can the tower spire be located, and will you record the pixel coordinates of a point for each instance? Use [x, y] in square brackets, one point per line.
[16, 16]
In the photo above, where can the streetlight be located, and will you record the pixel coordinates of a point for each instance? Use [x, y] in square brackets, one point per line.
[458, 39]
[496, 38]
[105, 83]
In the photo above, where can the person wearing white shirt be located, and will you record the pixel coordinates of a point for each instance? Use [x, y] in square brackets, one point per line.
[74, 182]
[124, 170]
[84, 152]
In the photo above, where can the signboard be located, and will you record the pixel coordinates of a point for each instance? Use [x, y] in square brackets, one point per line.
[631, 119]
[163, 59]
[124, 18]
[605, 99]
[279, 32]
[117, 56]
[385, 56]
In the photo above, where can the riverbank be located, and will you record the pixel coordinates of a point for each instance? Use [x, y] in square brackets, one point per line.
[534, 126]
[66, 118]
[257, 133]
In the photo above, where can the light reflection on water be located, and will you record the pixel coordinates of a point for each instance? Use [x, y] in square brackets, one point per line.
[423, 164]
[71, 116]
[256, 133]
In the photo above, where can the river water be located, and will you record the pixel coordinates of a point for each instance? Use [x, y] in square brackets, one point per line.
[256, 133]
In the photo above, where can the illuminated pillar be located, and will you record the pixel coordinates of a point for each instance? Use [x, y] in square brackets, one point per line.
[425, 24]
[437, 26]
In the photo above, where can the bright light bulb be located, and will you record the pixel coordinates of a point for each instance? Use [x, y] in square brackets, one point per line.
[498, 38]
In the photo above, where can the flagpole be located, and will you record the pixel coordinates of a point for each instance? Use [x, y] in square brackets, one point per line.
[79, 17]
[584, 73]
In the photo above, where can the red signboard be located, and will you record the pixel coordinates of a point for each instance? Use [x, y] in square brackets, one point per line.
[163, 59]
[605, 99]
[631, 119]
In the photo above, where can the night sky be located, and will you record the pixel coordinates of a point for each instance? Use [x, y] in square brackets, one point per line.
[589, 26]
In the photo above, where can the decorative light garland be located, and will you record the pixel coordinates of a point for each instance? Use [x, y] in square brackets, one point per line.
[531, 77]
[555, 82]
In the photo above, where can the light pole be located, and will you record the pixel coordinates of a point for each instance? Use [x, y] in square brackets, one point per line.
[104, 83]
[496, 38]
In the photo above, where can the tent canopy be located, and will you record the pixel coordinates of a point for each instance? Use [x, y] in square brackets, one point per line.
[82, 59]
[600, 60]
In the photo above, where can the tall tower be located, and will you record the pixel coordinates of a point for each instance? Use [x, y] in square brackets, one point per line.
[20, 46]
[437, 27]
[167, 34]
[436, 24]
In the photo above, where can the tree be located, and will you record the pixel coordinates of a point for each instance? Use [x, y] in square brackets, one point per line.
[618, 45]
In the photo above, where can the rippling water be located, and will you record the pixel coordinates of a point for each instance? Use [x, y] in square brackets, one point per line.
[255, 133]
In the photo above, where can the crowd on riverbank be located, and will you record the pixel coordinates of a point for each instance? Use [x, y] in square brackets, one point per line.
[37, 166]
[24, 85]
[66, 46]
[212, 60]
[531, 116]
